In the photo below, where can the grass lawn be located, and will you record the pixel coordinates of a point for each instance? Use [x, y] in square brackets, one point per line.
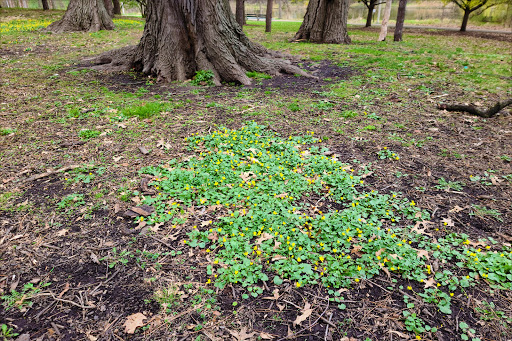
[340, 207]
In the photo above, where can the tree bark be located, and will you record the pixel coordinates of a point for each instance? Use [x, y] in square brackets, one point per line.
[325, 22]
[385, 20]
[268, 16]
[369, 17]
[465, 20]
[117, 7]
[240, 13]
[46, 6]
[182, 37]
[400, 18]
[109, 6]
[83, 15]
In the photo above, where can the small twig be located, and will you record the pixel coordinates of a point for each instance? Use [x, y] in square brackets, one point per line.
[160, 241]
[327, 328]
[67, 301]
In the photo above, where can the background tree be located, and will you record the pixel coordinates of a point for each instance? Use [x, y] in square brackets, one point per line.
[385, 20]
[469, 6]
[182, 37]
[240, 12]
[400, 18]
[268, 16]
[325, 21]
[46, 6]
[83, 15]
[370, 4]
[117, 7]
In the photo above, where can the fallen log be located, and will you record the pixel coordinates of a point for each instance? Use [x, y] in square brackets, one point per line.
[471, 109]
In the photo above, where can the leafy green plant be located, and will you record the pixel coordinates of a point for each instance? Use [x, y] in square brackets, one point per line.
[385, 153]
[446, 185]
[116, 257]
[70, 202]
[258, 75]
[84, 174]
[6, 131]
[203, 77]
[348, 114]
[145, 110]
[87, 134]
[7, 333]
[482, 211]
[22, 299]
[322, 105]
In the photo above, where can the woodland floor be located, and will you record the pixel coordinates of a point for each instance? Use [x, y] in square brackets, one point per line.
[60, 232]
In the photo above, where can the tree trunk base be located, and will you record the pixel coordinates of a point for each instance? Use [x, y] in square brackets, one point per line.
[83, 15]
[325, 22]
[177, 42]
[471, 109]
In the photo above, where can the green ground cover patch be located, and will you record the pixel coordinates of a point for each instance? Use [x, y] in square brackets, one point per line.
[264, 191]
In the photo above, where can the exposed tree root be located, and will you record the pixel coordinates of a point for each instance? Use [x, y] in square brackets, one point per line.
[471, 109]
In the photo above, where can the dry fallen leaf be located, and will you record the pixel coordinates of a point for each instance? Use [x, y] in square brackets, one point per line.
[356, 249]
[275, 297]
[213, 236]
[306, 312]
[242, 335]
[430, 282]
[133, 322]
[62, 232]
[456, 209]
[447, 222]
[422, 253]
[266, 336]
[264, 236]
[417, 229]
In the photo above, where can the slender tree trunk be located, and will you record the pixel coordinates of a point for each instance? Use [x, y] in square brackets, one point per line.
[83, 15]
[465, 20]
[109, 7]
[385, 20]
[268, 17]
[117, 7]
[325, 22]
[369, 17]
[400, 17]
[181, 37]
[46, 6]
[240, 13]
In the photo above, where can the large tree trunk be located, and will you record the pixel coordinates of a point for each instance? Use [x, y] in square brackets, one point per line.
[83, 15]
[46, 6]
[400, 18]
[109, 6]
[385, 20]
[325, 22]
[117, 7]
[240, 13]
[268, 16]
[369, 17]
[182, 37]
[465, 20]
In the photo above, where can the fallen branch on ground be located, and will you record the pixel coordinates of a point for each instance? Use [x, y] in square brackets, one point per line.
[39, 176]
[471, 109]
